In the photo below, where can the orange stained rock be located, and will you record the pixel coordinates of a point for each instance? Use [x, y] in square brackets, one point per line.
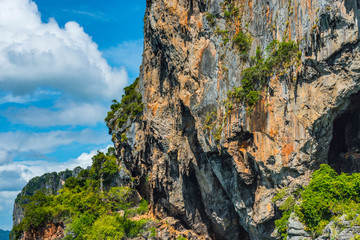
[268, 207]
[238, 157]
[153, 107]
[267, 11]
[259, 117]
[250, 4]
[184, 19]
[241, 165]
[151, 92]
[309, 8]
[273, 132]
[186, 97]
[200, 25]
[262, 143]
[199, 51]
[286, 152]
[50, 232]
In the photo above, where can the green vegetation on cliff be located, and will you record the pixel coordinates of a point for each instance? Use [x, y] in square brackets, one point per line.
[280, 56]
[243, 42]
[327, 197]
[130, 106]
[87, 205]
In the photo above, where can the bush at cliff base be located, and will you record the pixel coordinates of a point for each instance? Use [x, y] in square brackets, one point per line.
[327, 197]
[87, 209]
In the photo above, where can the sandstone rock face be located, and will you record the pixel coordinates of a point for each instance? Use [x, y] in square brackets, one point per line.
[52, 231]
[221, 187]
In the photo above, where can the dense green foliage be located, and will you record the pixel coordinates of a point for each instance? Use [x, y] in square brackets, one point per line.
[327, 197]
[243, 42]
[89, 210]
[130, 106]
[280, 56]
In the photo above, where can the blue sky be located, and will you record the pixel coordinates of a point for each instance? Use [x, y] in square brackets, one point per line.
[61, 64]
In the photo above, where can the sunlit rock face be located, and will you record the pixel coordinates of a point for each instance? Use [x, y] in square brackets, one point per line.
[221, 186]
[52, 231]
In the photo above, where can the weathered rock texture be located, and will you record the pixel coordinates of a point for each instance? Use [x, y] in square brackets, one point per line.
[341, 229]
[223, 189]
[53, 231]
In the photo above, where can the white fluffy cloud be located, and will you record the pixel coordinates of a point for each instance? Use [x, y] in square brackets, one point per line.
[52, 81]
[22, 172]
[35, 54]
[46, 142]
[60, 115]
[39, 94]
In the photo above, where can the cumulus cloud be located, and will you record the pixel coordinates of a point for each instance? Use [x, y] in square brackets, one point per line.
[17, 182]
[4, 156]
[61, 114]
[38, 94]
[46, 142]
[22, 172]
[35, 54]
[55, 85]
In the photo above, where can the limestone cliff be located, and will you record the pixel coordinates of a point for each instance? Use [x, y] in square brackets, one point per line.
[219, 182]
[51, 182]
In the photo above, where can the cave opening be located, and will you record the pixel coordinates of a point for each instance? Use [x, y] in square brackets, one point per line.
[344, 151]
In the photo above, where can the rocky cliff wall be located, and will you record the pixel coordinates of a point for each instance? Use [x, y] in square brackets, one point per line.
[220, 183]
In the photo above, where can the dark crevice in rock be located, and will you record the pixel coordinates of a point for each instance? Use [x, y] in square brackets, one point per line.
[245, 138]
[203, 162]
[193, 203]
[190, 182]
[202, 5]
[174, 165]
[344, 152]
[191, 9]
